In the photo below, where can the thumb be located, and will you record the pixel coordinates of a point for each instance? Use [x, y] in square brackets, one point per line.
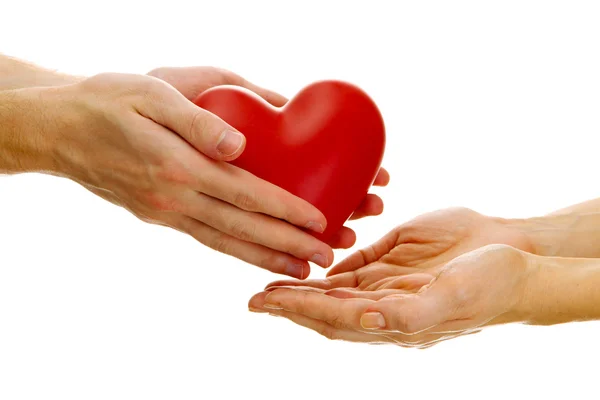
[203, 130]
[366, 255]
[410, 313]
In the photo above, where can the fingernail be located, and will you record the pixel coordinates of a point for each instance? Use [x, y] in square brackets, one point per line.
[272, 306]
[372, 320]
[230, 142]
[319, 259]
[315, 226]
[295, 270]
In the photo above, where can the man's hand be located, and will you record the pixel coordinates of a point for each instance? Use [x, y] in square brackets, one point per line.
[139, 143]
[481, 288]
[192, 81]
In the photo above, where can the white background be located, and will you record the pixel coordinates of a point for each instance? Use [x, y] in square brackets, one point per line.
[489, 105]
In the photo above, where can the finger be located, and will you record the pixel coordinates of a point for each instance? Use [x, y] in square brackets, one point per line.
[382, 178]
[411, 282]
[248, 192]
[349, 293]
[257, 228]
[330, 332]
[367, 255]
[257, 302]
[230, 78]
[371, 205]
[206, 132]
[342, 239]
[340, 313]
[367, 277]
[251, 253]
[374, 283]
[411, 313]
[342, 280]
[271, 97]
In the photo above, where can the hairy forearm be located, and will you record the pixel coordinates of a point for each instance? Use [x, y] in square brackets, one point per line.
[24, 147]
[562, 290]
[17, 74]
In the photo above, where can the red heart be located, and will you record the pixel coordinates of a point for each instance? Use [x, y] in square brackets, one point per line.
[325, 145]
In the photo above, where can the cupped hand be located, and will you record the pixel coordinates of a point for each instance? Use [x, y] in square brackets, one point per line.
[427, 242]
[192, 81]
[136, 141]
[481, 288]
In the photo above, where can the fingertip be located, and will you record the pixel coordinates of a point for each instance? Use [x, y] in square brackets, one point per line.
[345, 238]
[383, 178]
[373, 205]
[257, 301]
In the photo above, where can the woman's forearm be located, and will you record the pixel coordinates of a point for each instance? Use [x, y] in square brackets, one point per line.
[561, 290]
[17, 74]
[569, 232]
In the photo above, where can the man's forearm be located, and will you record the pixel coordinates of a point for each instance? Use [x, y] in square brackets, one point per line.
[23, 145]
[562, 290]
[17, 74]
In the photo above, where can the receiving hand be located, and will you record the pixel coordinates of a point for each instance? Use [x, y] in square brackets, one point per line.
[481, 288]
[427, 242]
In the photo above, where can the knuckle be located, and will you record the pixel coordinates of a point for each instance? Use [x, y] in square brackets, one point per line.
[228, 77]
[173, 171]
[302, 306]
[408, 323]
[160, 202]
[337, 322]
[246, 201]
[220, 243]
[198, 128]
[327, 332]
[243, 231]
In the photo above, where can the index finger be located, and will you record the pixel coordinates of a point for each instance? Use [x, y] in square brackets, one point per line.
[367, 255]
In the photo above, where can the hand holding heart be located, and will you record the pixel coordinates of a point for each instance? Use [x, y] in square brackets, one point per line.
[139, 142]
[325, 145]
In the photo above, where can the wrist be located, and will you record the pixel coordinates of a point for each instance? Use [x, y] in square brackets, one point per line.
[573, 234]
[559, 290]
[26, 141]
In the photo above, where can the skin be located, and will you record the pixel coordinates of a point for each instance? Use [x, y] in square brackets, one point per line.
[140, 143]
[452, 273]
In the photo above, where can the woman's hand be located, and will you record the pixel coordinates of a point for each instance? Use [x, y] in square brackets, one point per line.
[429, 241]
[484, 287]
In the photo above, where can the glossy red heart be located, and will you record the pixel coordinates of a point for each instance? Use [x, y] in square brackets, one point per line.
[325, 145]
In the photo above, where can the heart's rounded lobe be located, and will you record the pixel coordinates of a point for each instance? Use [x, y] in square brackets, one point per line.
[325, 145]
